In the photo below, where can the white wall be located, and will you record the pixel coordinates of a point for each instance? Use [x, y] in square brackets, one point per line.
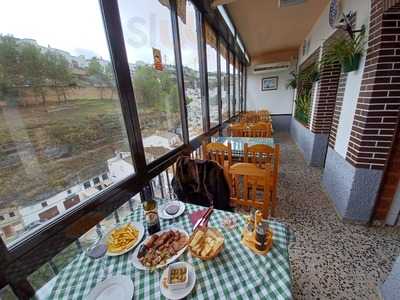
[318, 34]
[279, 101]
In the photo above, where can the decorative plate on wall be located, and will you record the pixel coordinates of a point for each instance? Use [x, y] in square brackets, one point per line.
[334, 12]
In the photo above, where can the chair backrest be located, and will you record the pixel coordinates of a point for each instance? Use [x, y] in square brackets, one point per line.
[262, 156]
[265, 126]
[245, 181]
[256, 130]
[235, 130]
[263, 115]
[218, 152]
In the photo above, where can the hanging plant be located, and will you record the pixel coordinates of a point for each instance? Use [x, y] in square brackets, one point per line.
[292, 83]
[309, 75]
[347, 51]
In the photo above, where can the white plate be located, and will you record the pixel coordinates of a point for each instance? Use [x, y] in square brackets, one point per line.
[181, 293]
[163, 214]
[116, 287]
[138, 226]
[138, 265]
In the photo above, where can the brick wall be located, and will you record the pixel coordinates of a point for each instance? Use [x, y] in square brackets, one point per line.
[379, 100]
[390, 182]
[324, 105]
[308, 63]
[338, 109]
[390, 4]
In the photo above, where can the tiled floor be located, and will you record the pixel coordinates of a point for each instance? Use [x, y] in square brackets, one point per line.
[330, 259]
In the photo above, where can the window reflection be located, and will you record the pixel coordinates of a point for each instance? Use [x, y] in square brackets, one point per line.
[224, 82]
[61, 123]
[149, 44]
[190, 60]
[211, 49]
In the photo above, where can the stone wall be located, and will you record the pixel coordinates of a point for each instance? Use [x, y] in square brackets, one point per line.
[27, 96]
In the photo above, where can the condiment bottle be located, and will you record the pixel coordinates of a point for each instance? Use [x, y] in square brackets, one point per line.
[151, 213]
[261, 237]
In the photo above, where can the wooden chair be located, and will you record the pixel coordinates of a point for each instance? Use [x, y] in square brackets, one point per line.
[266, 125]
[245, 193]
[264, 115]
[257, 131]
[265, 157]
[219, 153]
[235, 129]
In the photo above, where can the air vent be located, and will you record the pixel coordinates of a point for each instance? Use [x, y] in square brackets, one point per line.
[285, 3]
[271, 67]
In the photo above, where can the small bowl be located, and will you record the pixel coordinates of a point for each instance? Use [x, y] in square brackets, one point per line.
[178, 285]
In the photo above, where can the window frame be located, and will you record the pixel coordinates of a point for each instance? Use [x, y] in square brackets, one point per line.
[22, 258]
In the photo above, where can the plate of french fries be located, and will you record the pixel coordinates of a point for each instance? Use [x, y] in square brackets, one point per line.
[206, 243]
[123, 238]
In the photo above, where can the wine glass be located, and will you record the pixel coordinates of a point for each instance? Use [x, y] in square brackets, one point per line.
[97, 251]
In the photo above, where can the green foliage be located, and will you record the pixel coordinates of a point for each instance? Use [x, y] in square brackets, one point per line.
[303, 107]
[155, 90]
[347, 51]
[303, 81]
[304, 77]
[24, 64]
[95, 68]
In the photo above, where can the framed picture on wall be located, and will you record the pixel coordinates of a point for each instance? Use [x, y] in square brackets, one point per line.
[269, 83]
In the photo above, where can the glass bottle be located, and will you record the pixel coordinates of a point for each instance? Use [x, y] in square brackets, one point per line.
[151, 212]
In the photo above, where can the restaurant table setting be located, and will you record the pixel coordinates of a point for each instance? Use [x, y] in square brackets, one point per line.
[205, 260]
[237, 143]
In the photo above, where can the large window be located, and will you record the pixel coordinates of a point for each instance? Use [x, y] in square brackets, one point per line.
[240, 87]
[60, 118]
[224, 82]
[237, 87]
[148, 40]
[190, 60]
[231, 80]
[211, 49]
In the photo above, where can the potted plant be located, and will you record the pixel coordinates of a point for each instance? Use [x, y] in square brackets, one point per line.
[347, 51]
[308, 75]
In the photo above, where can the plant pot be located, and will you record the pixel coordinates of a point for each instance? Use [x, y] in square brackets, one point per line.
[351, 63]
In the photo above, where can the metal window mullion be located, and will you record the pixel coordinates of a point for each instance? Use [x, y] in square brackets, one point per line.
[219, 92]
[228, 82]
[203, 71]
[179, 71]
[241, 87]
[245, 89]
[234, 86]
[115, 38]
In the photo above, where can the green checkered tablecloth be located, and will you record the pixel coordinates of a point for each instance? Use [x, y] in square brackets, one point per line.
[236, 273]
[237, 143]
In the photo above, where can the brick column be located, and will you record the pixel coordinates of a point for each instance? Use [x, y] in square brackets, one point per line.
[378, 104]
[326, 95]
[338, 109]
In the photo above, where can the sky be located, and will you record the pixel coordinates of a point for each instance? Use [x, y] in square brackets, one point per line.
[76, 26]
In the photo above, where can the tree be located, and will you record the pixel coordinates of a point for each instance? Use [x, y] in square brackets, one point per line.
[34, 69]
[109, 76]
[58, 71]
[156, 90]
[10, 69]
[96, 70]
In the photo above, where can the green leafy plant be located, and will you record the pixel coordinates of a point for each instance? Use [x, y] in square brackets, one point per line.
[308, 75]
[347, 51]
[303, 107]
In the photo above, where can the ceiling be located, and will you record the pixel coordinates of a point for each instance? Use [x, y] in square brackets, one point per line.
[266, 28]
